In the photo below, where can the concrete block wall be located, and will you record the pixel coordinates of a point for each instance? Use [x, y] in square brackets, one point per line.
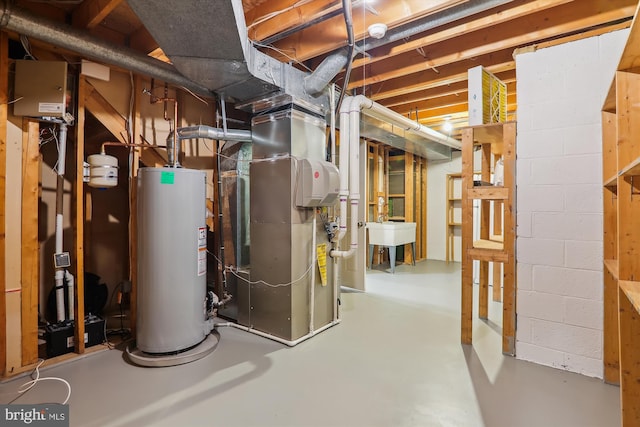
[559, 201]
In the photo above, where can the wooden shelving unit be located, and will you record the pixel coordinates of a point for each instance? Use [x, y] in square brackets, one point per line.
[497, 245]
[452, 206]
[621, 231]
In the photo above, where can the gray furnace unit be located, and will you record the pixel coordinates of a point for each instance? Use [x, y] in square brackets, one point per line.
[289, 180]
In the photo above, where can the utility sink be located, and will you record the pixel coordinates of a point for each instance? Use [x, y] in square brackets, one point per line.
[391, 234]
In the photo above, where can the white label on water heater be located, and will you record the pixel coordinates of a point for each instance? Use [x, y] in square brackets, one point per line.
[202, 251]
[202, 261]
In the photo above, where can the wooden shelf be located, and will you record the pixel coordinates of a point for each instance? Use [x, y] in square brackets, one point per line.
[632, 169]
[488, 134]
[455, 224]
[488, 244]
[612, 266]
[611, 183]
[396, 218]
[455, 199]
[632, 292]
[489, 193]
[396, 195]
[488, 255]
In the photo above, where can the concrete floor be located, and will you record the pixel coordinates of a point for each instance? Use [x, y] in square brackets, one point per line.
[395, 360]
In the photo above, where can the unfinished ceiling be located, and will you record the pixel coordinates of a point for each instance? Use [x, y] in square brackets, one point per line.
[419, 69]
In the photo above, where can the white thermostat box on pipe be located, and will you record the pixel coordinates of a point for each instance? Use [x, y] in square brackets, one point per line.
[318, 183]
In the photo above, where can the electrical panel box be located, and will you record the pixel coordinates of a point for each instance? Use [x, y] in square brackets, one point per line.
[41, 89]
[318, 183]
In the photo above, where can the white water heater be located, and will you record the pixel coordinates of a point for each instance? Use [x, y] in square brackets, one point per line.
[172, 255]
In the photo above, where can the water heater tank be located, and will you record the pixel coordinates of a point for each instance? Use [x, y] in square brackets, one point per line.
[172, 251]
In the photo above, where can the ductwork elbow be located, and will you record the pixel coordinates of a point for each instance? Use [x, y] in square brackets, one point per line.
[317, 81]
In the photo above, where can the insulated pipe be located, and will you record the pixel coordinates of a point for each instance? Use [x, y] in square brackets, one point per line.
[59, 271]
[202, 131]
[317, 81]
[73, 39]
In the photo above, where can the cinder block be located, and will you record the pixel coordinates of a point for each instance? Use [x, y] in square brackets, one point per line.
[539, 143]
[523, 224]
[540, 355]
[584, 255]
[567, 226]
[567, 338]
[523, 172]
[567, 281]
[524, 276]
[539, 305]
[583, 312]
[582, 139]
[583, 78]
[541, 251]
[585, 198]
[540, 198]
[585, 169]
[523, 333]
[610, 46]
[591, 367]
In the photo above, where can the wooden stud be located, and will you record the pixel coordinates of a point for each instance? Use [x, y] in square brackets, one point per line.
[409, 199]
[78, 226]
[133, 208]
[30, 276]
[4, 99]
[611, 358]
[485, 224]
[423, 215]
[629, 323]
[509, 267]
[497, 230]
[467, 237]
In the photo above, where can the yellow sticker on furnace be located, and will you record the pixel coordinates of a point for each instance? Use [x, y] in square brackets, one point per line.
[321, 255]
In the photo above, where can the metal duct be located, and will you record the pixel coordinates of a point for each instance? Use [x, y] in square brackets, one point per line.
[207, 41]
[206, 132]
[67, 37]
[317, 81]
[429, 22]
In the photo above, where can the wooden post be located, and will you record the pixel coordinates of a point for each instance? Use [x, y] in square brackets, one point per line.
[79, 220]
[467, 237]
[423, 214]
[30, 269]
[133, 208]
[485, 224]
[497, 231]
[4, 99]
[509, 273]
[409, 200]
[629, 300]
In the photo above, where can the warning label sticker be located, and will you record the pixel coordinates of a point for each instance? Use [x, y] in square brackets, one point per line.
[202, 251]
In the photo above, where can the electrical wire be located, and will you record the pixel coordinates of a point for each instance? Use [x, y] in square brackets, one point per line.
[262, 282]
[282, 52]
[30, 384]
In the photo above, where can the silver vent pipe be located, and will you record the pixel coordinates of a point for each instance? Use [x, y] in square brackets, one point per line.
[81, 42]
[202, 131]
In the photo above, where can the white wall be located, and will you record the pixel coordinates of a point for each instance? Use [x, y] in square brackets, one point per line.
[559, 201]
[436, 208]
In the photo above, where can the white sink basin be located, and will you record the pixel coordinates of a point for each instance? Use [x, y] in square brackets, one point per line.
[391, 233]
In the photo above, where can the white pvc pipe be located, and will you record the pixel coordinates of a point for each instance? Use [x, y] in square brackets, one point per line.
[312, 286]
[344, 166]
[273, 337]
[59, 272]
[332, 106]
[70, 294]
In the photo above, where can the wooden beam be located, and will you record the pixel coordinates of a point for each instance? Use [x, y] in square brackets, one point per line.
[561, 20]
[409, 200]
[509, 233]
[332, 34]
[111, 119]
[78, 226]
[467, 238]
[476, 22]
[30, 273]
[629, 297]
[4, 99]
[90, 13]
[495, 62]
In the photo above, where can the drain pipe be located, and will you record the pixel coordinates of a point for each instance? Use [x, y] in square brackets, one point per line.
[344, 166]
[59, 231]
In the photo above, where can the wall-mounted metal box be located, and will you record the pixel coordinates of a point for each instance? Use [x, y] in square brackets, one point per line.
[40, 88]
